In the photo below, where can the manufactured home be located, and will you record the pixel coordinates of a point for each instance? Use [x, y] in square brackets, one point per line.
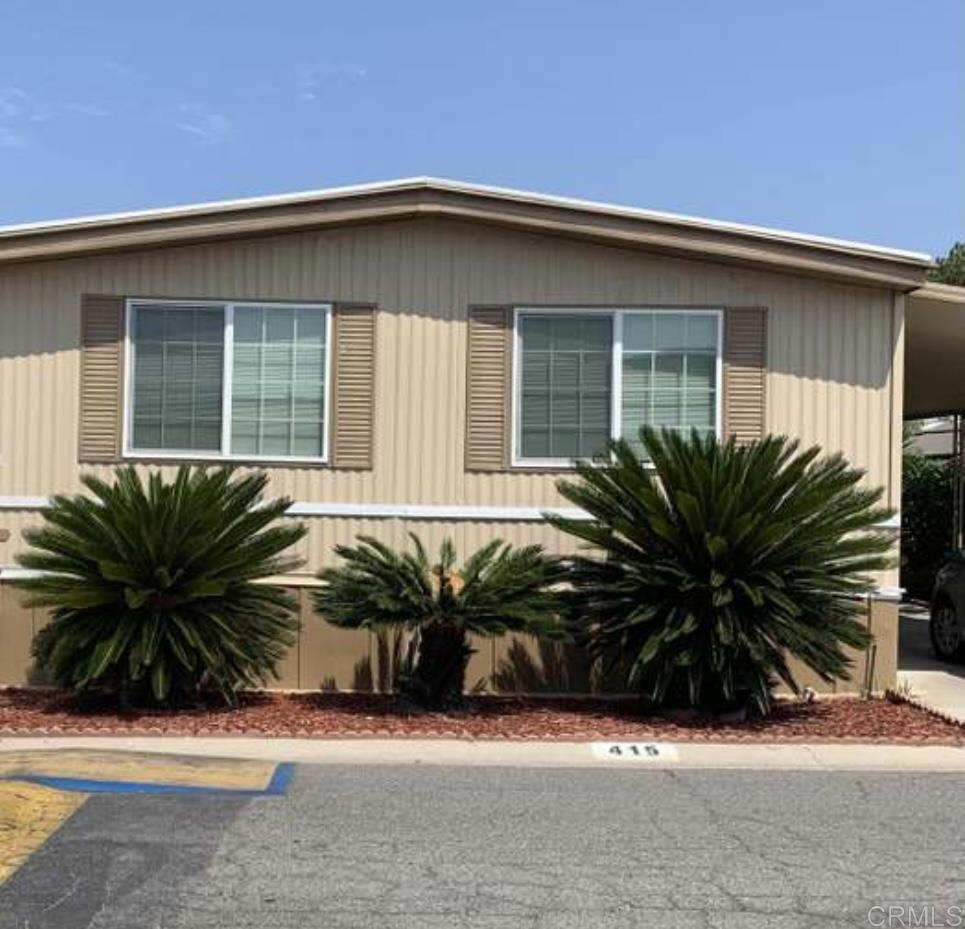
[430, 356]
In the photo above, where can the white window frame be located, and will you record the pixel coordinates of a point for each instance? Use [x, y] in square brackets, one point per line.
[229, 306]
[617, 314]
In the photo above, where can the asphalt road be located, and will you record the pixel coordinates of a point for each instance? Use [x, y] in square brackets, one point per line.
[444, 848]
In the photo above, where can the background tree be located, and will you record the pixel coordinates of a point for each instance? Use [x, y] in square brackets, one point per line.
[708, 571]
[153, 588]
[499, 589]
[927, 515]
[951, 268]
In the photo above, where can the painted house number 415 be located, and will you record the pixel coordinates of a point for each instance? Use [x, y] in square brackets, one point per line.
[651, 751]
[634, 751]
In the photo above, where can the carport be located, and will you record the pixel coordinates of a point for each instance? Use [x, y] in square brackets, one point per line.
[935, 386]
[935, 372]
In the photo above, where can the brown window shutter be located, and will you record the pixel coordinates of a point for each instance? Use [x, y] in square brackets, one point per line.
[101, 378]
[488, 388]
[745, 372]
[353, 386]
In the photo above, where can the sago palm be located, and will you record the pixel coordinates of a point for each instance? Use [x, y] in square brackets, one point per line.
[715, 564]
[152, 588]
[498, 589]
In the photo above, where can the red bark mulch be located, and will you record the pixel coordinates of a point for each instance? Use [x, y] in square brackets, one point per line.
[332, 715]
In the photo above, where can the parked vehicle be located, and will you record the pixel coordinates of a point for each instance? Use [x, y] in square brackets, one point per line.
[947, 626]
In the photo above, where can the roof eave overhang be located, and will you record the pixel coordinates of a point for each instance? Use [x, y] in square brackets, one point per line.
[258, 219]
[934, 348]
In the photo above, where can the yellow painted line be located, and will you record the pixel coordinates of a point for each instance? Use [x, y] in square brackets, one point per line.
[29, 815]
[131, 767]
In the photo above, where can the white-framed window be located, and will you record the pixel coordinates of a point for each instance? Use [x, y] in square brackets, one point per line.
[227, 380]
[584, 376]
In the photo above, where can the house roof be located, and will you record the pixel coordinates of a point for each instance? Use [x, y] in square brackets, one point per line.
[670, 233]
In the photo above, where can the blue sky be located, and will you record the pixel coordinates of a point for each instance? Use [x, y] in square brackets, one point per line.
[837, 117]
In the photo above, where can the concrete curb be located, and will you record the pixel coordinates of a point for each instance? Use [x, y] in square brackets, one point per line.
[921, 703]
[949, 703]
[669, 756]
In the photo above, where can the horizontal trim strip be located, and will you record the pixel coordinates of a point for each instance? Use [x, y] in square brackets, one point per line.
[14, 573]
[431, 511]
[894, 594]
[23, 503]
[456, 513]
[378, 510]
[295, 579]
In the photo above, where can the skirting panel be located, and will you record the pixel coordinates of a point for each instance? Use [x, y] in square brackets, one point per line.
[327, 658]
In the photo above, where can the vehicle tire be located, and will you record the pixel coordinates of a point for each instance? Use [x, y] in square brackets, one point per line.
[947, 639]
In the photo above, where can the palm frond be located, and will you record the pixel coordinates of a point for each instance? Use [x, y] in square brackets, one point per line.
[499, 589]
[152, 586]
[703, 573]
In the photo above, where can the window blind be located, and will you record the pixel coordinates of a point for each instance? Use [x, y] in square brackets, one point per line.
[264, 366]
[565, 386]
[583, 378]
[178, 359]
[278, 381]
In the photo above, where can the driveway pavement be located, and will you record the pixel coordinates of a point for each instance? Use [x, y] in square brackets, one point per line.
[435, 847]
[936, 684]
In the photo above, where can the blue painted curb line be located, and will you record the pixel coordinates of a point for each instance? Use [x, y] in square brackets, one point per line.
[277, 786]
[281, 779]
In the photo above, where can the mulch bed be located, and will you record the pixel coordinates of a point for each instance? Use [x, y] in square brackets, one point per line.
[331, 715]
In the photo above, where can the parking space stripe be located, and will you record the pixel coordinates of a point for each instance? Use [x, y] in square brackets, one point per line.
[277, 786]
[29, 815]
[143, 772]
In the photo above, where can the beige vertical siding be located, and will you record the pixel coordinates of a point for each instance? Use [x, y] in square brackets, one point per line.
[835, 356]
[327, 658]
[18, 626]
[831, 349]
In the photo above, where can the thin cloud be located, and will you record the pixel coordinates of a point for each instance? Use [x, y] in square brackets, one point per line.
[18, 110]
[88, 109]
[121, 70]
[307, 84]
[307, 87]
[11, 139]
[14, 102]
[200, 121]
[23, 113]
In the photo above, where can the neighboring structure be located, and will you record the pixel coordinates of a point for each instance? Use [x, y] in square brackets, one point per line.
[428, 356]
[935, 437]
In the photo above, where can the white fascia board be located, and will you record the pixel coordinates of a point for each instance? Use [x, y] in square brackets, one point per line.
[210, 207]
[684, 219]
[508, 193]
